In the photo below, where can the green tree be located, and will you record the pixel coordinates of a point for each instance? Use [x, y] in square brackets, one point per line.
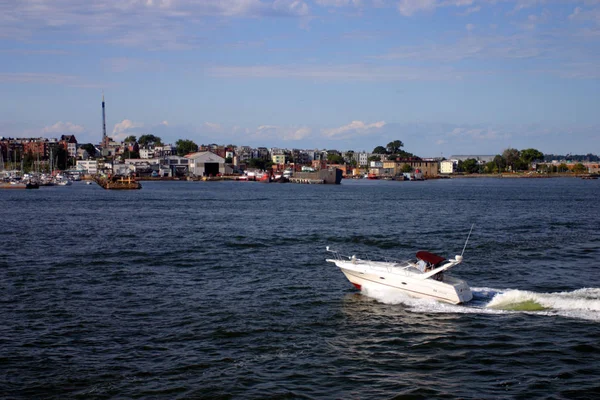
[28, 161]
[374, 158]
[500, 163]
[491, 167]
[62, 158]
[228, 160]
[256, 163]
[91, 150]
[335, 158]
[579, 168]
[562, 167]
[130, 139]
[149, 140]
[349, 156]
[511, 158]
[470, 165]
[530, 155]
[394, 147]
[185, 146]
[379, 150]
[406, 168]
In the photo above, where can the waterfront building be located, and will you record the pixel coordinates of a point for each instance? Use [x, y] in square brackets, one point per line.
[447, 167]
[278, 159]
[89, 167]
[207, 164]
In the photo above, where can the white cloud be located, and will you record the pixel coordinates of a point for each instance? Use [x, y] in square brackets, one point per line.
[64, 128]
[581, 15]
[479, 133]
[121, 129]
[339, 3]
[213, 126]
[286, 133]
[46, 79]
[469, 27]
[471, 10]
[354, 128]
[345, 72]
[165, 123]
[410, 7]
[157, 24]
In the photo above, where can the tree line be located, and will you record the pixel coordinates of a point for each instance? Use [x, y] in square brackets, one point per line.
[512, 160]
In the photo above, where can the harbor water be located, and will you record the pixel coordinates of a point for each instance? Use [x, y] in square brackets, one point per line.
[221, 290]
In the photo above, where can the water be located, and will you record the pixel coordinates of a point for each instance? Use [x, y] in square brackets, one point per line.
[221, 290]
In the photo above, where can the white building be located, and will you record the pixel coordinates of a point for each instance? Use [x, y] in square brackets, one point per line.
[447, 167]
[90, 167]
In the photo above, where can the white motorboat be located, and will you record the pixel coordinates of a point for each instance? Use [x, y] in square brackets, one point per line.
[422, 278]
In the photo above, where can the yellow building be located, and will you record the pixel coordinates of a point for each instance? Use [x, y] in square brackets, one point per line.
[278, 159]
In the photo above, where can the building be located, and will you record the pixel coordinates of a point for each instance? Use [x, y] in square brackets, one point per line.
[481, 159]
[206, 163]
[89, 167]
[278, 159]
[447, 167]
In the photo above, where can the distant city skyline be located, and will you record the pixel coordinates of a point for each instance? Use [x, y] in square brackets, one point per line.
[444, 76]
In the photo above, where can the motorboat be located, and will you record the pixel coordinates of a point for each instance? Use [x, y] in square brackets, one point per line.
[424, 277]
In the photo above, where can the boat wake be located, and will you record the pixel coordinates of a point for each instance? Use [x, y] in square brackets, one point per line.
[581, 303]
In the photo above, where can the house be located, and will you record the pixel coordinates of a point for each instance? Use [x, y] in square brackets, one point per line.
[447, 167]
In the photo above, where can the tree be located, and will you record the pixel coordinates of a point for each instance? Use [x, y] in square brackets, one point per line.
[579, 168]
[335, 158]
[470, 165]
[185, 146]
[62, 158]
[491, 167]
[228, 160]
[563, 167]
[379, 150]
[149, 140]
[256, 163]
[130, 139]
[511, 158]
[91, 150]
[406, 168]
[349, 156]
[530, 155]
[500, 163]
[374, 158]
[394, 147]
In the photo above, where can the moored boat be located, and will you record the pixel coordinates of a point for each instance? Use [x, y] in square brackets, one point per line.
[116, 182]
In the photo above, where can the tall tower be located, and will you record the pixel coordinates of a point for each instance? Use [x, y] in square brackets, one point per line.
[103, 121]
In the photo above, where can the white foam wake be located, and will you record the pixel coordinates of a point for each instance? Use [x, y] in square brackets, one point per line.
[581, 303]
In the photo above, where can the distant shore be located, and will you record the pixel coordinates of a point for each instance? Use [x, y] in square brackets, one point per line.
[520, 175]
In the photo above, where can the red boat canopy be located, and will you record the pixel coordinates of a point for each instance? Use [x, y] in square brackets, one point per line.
[429, 257]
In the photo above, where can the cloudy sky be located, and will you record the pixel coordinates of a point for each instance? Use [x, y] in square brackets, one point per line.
[444, 76]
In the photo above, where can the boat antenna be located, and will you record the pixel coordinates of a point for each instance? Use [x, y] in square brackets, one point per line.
[463, 252]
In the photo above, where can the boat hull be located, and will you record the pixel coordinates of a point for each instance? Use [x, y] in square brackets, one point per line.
[450, 290]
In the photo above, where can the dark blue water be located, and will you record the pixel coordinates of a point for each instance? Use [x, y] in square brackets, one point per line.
[221, 290]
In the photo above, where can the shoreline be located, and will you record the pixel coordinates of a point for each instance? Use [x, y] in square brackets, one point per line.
[519, 176]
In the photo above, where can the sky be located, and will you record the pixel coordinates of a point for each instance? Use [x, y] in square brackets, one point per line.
[446, 77]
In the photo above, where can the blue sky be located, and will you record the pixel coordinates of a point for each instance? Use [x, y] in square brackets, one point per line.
[444, 76]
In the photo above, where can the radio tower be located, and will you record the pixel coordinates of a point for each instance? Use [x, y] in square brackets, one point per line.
[103, 122]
